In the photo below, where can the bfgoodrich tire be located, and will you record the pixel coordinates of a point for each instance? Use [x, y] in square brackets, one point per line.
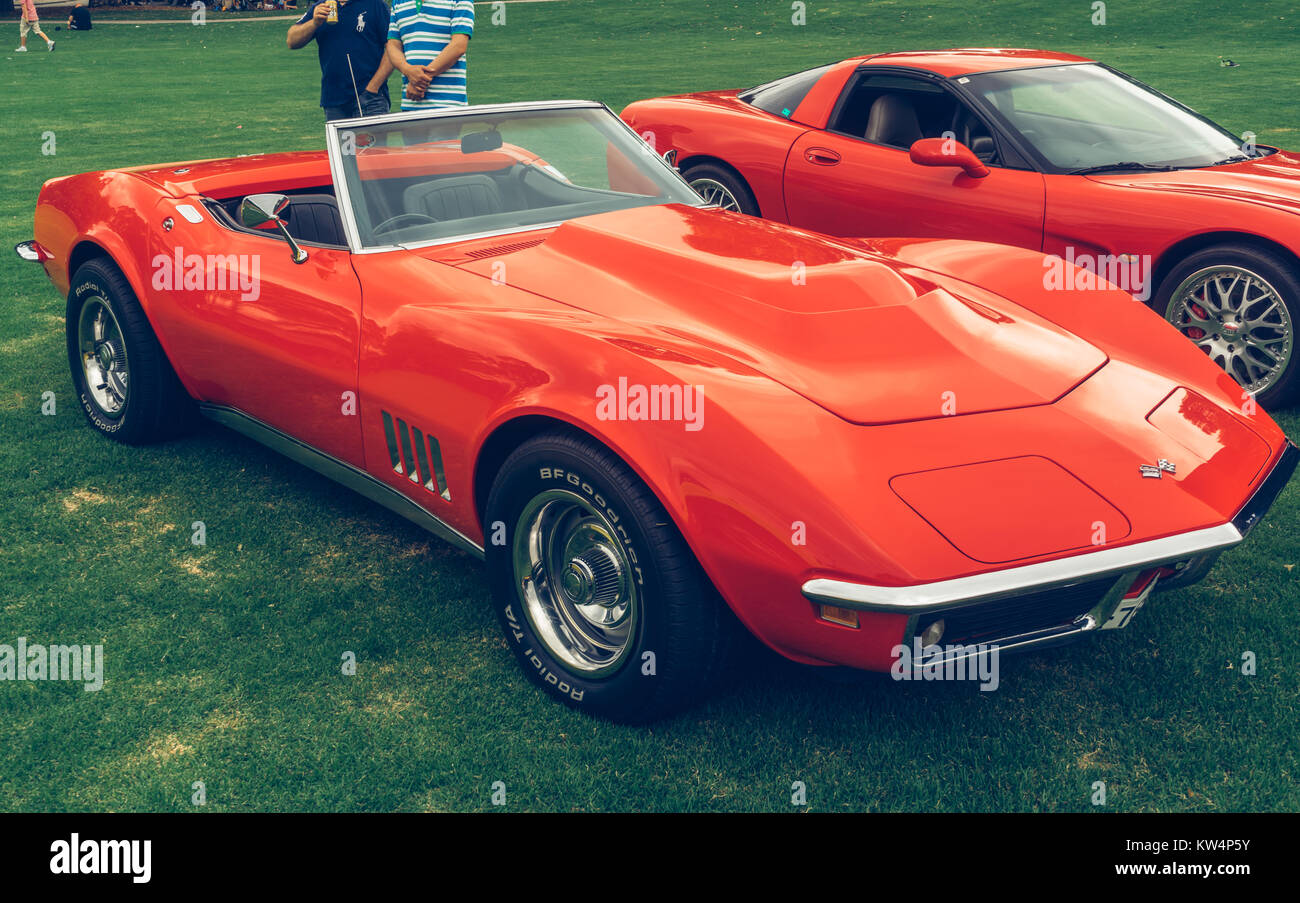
[1240, 304]
[600, 599]
[124, 383]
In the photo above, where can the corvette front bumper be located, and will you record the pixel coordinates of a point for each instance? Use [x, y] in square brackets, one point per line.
[1054, 601]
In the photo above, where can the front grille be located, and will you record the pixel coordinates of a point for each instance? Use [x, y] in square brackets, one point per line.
[990, 621]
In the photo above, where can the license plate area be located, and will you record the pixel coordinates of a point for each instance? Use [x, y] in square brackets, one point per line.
[1132, 602]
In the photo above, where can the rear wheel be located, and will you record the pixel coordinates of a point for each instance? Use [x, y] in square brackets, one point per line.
[600, 599]
[720, 186]
[123, 381]
[1239, 305]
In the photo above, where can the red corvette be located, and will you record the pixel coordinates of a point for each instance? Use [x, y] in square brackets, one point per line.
[1046, 151]
[517, 326]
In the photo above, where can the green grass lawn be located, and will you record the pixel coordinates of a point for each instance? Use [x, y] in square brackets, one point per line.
[223, 661]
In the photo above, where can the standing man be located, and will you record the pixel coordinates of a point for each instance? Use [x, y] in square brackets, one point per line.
[30, 22]
[351, 48]
[427, 41]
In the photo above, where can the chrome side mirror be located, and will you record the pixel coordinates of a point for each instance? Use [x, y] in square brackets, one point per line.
[30, 250]
[258, 210]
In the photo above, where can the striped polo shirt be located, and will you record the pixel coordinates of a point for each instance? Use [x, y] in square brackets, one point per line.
[425, 28]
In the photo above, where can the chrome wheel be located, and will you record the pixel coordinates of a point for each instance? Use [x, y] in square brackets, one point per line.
[103, 356]
[1237, 318]
[716, 193]
[575, 582]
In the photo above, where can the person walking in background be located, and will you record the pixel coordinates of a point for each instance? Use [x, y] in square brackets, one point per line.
[30, 22]
[427, 42]
[350, 49]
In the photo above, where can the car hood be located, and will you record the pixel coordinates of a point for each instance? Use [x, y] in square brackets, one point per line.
[872, 340]
[1273, 181]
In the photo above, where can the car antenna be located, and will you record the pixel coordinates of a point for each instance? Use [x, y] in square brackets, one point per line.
[353, 74]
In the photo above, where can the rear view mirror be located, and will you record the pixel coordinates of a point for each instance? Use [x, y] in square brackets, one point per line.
[258, 210]
[947, 152]
[478, 142]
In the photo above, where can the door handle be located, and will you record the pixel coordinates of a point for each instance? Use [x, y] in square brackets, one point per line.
[821, 156]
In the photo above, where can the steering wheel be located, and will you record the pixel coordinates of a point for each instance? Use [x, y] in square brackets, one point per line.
[968, 127]
[408, 219]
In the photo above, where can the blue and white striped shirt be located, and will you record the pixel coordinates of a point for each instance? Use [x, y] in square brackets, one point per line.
[425, 28]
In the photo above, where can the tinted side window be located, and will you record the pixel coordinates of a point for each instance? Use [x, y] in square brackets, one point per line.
[934, 107]
[912, 108]
[783, 96]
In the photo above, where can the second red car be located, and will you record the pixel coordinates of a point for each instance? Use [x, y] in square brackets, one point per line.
[1043, 150]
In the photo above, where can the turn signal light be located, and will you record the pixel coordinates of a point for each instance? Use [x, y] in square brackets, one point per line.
[845, 617]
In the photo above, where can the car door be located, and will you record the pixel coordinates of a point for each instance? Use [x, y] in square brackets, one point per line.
[275, 339]
[855, 178]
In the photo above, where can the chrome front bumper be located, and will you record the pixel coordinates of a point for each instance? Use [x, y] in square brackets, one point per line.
[1186, 552]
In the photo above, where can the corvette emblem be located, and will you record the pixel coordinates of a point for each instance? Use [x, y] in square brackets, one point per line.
[1156, 470]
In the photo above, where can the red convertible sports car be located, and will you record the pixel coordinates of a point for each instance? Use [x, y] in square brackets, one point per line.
[1042, 150]
[518, 327]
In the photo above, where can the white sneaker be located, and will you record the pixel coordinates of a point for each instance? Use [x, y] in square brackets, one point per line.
[51, 45]
[21, 50]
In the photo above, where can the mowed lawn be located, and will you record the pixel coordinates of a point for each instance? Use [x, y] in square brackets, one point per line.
[223, 661]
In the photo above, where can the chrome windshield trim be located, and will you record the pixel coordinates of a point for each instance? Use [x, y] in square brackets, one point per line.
[471, 110]
[923, 597]
[334, 152]
[458, 239]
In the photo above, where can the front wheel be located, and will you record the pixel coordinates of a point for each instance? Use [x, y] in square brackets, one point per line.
[721, 187]
[124, 383]
[1239, 305]
[600, 599]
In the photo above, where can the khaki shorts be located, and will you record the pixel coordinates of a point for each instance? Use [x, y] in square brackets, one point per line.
[25, 26]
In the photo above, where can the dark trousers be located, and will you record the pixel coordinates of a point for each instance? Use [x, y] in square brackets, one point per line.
[371, 105]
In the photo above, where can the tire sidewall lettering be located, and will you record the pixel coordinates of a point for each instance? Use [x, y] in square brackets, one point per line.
[575, 480]
[102, 423]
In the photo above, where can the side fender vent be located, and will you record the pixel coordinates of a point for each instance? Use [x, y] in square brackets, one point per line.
[415, 455]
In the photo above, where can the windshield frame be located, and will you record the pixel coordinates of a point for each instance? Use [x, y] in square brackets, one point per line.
[1040, 162]
[335, 129]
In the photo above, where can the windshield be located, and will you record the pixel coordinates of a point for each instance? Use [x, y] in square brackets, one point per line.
[1084, 116]
[431, 178]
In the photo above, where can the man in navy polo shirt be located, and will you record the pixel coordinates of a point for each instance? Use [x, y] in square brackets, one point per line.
[351, 48]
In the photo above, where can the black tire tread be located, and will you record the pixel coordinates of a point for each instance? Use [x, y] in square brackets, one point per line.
[160, 408]
[733, 180]
[701, 626]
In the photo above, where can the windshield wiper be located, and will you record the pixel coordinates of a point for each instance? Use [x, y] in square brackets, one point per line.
[1235, 158]
[1122, 166]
